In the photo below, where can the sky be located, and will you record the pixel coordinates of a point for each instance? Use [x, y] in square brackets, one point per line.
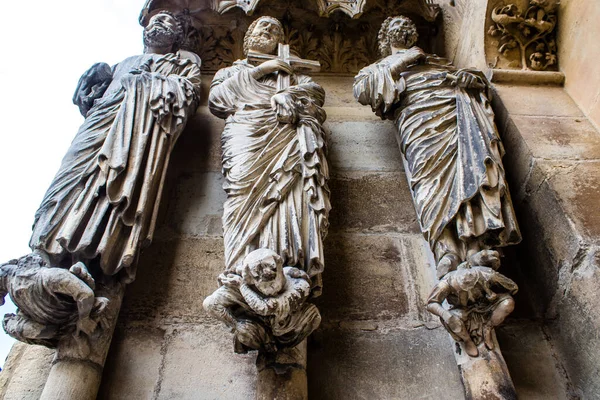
[47, 45]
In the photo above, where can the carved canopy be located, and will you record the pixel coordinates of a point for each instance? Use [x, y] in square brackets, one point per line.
[354, 8]
[341, 34]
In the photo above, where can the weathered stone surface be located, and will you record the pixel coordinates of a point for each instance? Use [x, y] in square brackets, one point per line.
[373, 203]
[26, 372]
[177, 276]
[199, 364]
[536, 372]
[133, 364]
[408, 364]
[196, 207]
[366, 146]
[577, 325]
[579, 53]
[545, 101]
[199, 148]
[338, 92]
[577, 186]
[560, 138]
[375, 277]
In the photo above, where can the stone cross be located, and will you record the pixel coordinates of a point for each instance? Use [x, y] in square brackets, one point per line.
[283, 54]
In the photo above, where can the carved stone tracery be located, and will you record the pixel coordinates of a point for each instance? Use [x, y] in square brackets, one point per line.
[343, 42]
[526, 39]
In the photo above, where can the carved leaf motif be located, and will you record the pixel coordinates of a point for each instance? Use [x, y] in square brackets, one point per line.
[337, 53]
[531, 32]
[207, 43]
[304, 43]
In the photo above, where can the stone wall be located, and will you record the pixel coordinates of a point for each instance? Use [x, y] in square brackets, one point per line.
[553, 164]
[579, 53]
[376, 340]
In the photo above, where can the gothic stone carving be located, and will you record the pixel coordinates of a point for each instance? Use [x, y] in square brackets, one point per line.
[342, 44]
[264, 303]
[102, 205]
[51, 302]
[527, 38]
[475, 309]
[277, 207]
[453, 159]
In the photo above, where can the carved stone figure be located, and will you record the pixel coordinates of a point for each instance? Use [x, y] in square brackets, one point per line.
[264, 303]
[451, 146]
[102, 204]
[475, 309]
[50, 301]
[273, 160]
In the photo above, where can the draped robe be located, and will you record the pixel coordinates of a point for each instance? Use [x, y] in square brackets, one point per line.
[275, 173]
[103, 202]
[453, 154]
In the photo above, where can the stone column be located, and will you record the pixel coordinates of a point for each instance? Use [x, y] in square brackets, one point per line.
[282, 376]
[75, 376]
[486, 376]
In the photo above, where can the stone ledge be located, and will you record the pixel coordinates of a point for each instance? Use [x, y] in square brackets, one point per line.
[521, 77]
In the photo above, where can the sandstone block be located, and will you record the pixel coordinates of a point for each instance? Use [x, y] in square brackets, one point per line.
[375, 277]
[196, 205]
[173, 279]
[537, 100]
[372, 202]
[133, 363]
[199, 364]
[533, 366]
[364, 146]
[402, 364]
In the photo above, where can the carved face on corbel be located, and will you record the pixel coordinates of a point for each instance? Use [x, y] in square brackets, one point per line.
[263, 268]
[263, 35]
[163, 31]
[398, 32]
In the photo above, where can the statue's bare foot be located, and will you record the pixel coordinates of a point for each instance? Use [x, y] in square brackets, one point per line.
[80, 270]
[486, 258]
[449, 262]
[470, 348]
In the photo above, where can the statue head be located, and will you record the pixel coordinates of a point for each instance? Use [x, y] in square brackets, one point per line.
[263, 268]
[466, 277]
[263, 35]
[163, 32]
[399, 32]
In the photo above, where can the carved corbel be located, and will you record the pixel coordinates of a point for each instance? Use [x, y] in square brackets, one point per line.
[264, 304]
[479, 300]
[52, 303]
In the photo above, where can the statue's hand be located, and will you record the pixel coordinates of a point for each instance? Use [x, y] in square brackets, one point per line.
[285, 108]
[467, 80]
[231, 280]
[454, 323]
[268, 67]
[414, 55]
[86, 325]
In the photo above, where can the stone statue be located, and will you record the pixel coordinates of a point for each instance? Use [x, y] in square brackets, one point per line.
[451, 146]
[475, 309]
[264, 294]
[274, 163]
[101, 207]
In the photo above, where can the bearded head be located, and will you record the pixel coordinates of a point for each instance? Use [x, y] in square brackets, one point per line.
[398, 32]
[163, 31]
[263, 35]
